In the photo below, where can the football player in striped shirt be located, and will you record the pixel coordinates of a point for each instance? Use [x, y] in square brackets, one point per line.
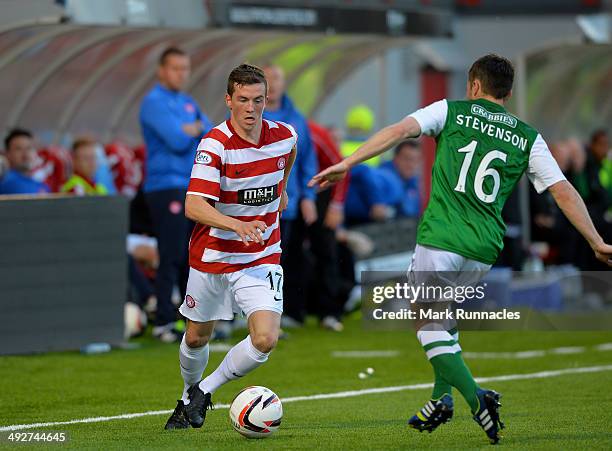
[235, 196]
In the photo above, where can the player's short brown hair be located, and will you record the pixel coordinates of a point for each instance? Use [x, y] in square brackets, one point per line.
[168, 52]
[82, 141]
[496, 74]
[245, 74]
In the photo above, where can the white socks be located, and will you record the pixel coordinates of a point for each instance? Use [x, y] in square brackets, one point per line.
[193, 362]
[455, 336]
[240, 360]
[436, 340]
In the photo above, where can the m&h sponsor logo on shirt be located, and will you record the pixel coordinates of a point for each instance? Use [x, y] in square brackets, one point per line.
[258, 196]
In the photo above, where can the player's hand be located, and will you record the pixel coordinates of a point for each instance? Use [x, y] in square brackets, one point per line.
[284, 201]
[334, 217]
[603, 252]
[330, 175]
[379, 212]
[250, 231]
[308, 208]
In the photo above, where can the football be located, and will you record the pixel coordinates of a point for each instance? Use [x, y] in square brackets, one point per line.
[256, 412]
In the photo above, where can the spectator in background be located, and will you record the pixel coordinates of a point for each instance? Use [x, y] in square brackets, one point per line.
[591, 187]
[548, 223]
[126, 168]
[302, 207]
[331, 206]
[359, 124]
[369, 196]
[52, 166]
[324, 270]
[172, 125]
[104, 174]
[85, 166]
[605, 173]
[589, 182]
[403, 171]
[280, 108]
[20, 154]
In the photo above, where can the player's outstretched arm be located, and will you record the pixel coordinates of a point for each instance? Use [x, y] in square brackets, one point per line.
[199, 210]
[379, 142]
[573, 207]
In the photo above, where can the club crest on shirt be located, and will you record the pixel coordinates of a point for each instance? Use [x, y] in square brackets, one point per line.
[281, 163]
[189, 108]
[190, 301]
[203, 157]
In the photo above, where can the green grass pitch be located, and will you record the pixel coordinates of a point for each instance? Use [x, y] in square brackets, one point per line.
[570, 411]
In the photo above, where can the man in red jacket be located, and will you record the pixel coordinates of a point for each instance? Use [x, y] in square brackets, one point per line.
[322, 233]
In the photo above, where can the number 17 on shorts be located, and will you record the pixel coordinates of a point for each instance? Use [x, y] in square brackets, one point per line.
[275, 277]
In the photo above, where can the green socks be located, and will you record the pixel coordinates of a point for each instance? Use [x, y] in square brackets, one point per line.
[453, 369]
[444, 354]
[441, 387]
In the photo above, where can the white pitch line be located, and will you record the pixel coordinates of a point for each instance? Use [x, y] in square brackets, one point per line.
[569, 350]
[535, 353]
[382, 353]
[365, 354]
[343, 394]
[504, 355]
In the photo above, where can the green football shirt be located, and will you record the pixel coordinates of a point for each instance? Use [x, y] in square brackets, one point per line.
[481, 153]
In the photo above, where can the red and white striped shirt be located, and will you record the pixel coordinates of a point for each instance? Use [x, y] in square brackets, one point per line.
[245, 181]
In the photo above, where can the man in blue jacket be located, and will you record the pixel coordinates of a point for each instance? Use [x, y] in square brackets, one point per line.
[172, 125]
[368, 197]
[302, 209]
[20, 154]
[403, 171]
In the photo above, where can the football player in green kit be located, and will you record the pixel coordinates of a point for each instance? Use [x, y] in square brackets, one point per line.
[482, 152]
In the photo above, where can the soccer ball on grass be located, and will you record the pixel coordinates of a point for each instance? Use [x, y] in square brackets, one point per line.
[256, 412]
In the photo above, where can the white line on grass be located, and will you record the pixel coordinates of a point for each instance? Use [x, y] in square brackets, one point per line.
[343, 394]
[388, 353]
[369, 353]
[569, 350]
[504, 355]
[535, 352]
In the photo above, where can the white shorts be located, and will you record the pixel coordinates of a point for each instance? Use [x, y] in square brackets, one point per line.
[212, 297]
[430, 265]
